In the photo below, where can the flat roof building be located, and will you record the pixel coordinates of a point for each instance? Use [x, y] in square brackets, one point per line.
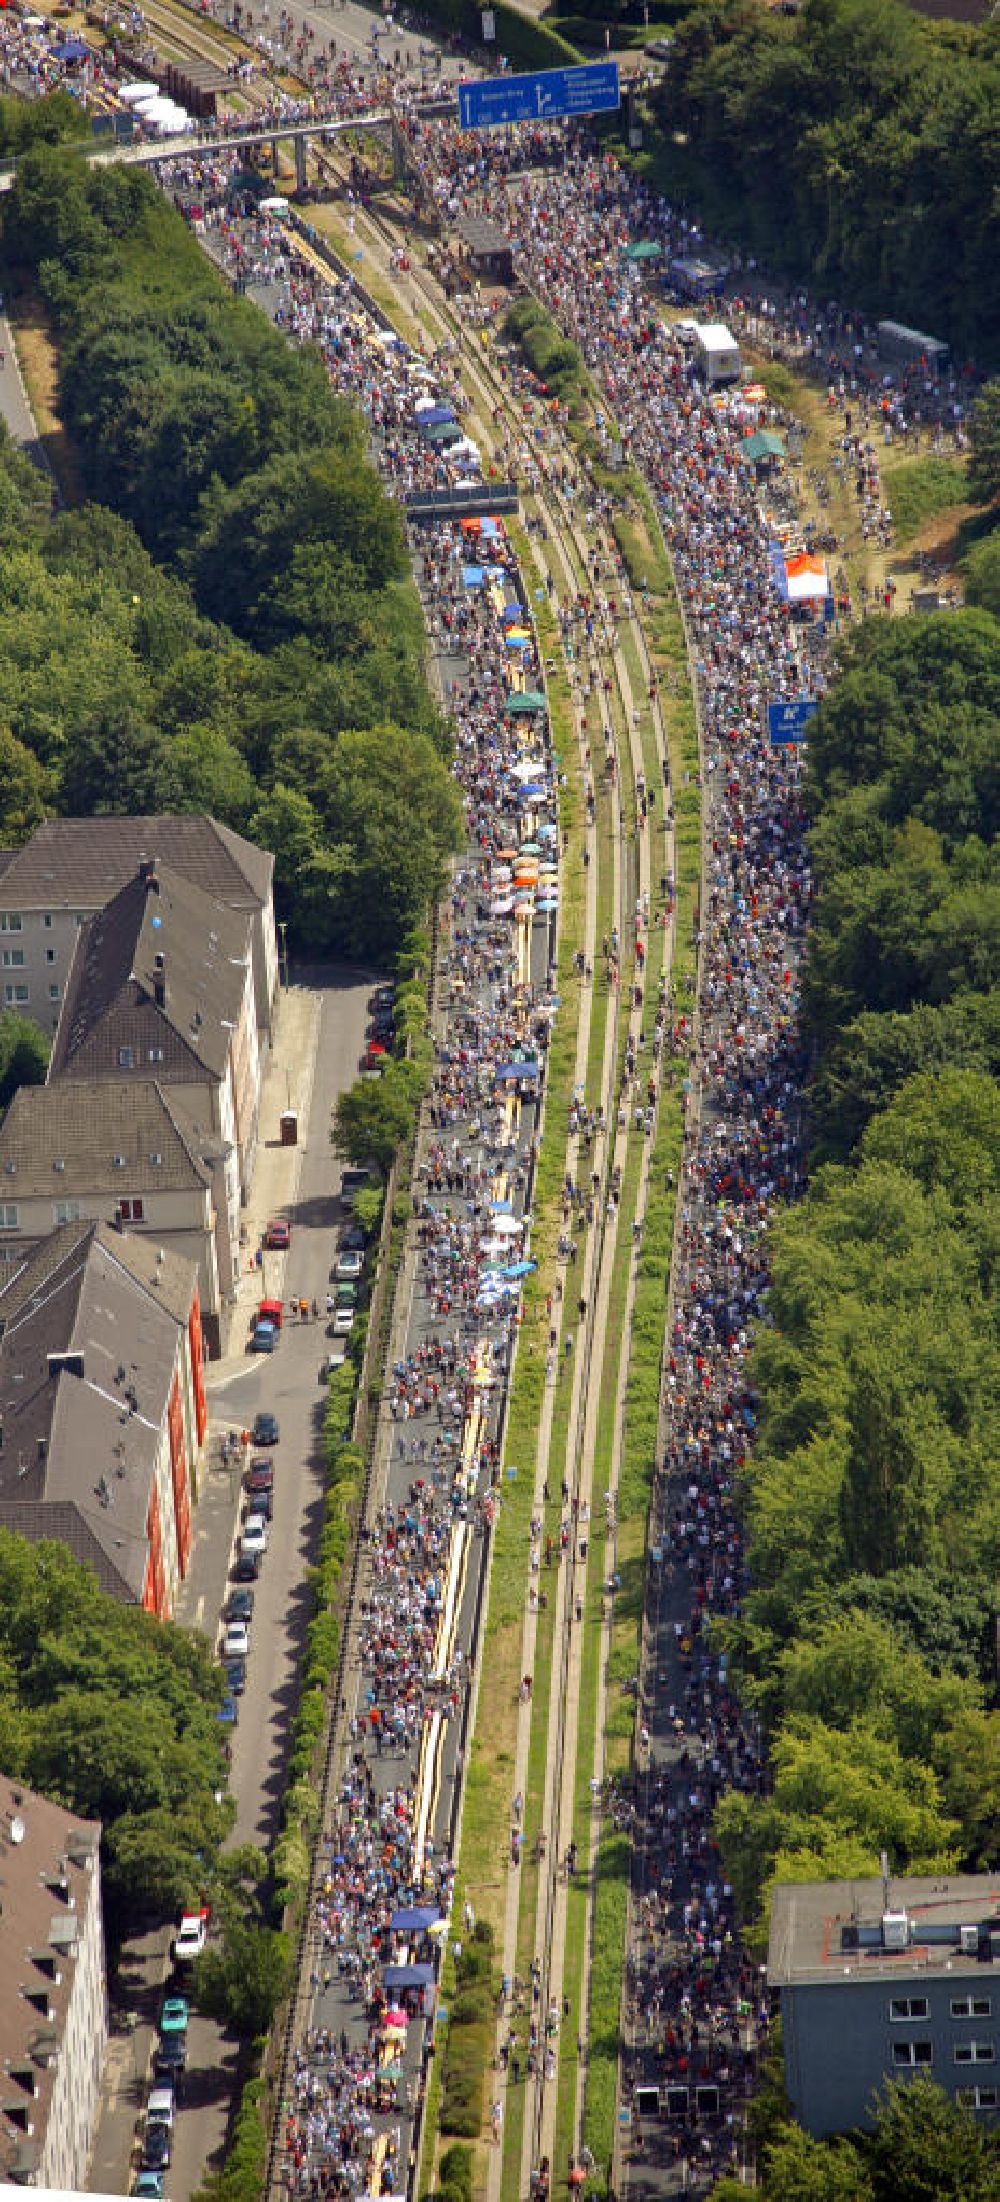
[883, 1978]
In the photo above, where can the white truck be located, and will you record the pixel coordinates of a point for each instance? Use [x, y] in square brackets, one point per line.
[716, 354]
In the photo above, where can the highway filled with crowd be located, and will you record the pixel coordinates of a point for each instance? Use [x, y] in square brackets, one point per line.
[697, 2019]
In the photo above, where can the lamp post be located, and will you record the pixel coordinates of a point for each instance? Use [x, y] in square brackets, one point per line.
[283, 930]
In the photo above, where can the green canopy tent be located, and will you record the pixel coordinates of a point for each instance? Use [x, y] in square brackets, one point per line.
[644, 248]
[526, 699]
[762, 446]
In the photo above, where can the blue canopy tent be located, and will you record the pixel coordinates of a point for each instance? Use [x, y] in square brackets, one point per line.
[407, 1976]
[414, 1919]
[473, 576]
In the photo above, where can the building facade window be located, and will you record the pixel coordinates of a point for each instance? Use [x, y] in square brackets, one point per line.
[8, 1215]
[13, 959]
[130, 1211]
[975, 2052]
[907, 2054]
[126, 1058]
[908, 2007]
[14, 995]
[971, 2007]
[977, 2098]
[50, 955]
[10, 921]
[54, 993]
[66, 1211]
[156, 1055]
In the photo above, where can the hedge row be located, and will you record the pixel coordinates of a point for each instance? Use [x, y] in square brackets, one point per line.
[344, 1473]
[471, 2033]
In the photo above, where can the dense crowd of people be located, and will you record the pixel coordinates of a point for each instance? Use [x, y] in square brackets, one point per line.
[698, 2018]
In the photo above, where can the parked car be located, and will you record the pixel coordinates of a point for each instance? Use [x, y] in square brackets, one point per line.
[236, 1675]
[239, 1606]
[264, 1337]
[262, 1502]
[351, 1182]
[246, 1566]
[229, 1711]
[174, 2015]
[149, 2184]
[342, 1324]
[160, 2107]
[236, 1642]
[260, 1476]
[265, 1429]
[346, 1295]
[354, 1236]
[350, 1262]
[170, 2059]
[278, 1234]
[373, 1061]
[330, 1363]
[191, 1936]
[156, 2147]
[383, 997]
[254, 1538]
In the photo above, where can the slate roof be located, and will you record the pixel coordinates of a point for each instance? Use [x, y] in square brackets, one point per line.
[47, 1891]
[98, 1135]
[79, 863]
[160, 971]
[78, 1442]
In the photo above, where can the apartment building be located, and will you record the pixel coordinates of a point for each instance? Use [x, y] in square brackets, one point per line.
[72, 867]
[53, 1998]
[880, 1980]
[103, 1413]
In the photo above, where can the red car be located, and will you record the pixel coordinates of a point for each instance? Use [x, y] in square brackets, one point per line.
[278, 1235]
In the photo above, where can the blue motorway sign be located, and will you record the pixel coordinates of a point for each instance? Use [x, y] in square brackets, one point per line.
[590, 89]
[786, 722]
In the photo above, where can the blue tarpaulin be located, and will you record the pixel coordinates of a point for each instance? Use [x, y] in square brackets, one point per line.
[414, 1919]
[473, 576]
[408, 1976]
[517, 1070]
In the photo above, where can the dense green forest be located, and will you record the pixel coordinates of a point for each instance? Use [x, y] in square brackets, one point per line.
[873, 1498]
[229, 624]
[853, 144]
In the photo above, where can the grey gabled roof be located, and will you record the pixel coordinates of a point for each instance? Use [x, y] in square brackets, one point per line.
[80, 1443]
[159, 936]
[79, 863]
[96, 1135]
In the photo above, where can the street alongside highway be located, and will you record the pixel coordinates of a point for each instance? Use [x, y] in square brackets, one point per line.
[319, 1039]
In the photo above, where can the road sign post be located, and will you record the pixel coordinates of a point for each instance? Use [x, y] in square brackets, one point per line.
[484, 103]
[787, 721]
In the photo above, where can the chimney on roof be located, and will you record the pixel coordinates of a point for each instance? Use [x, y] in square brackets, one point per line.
[160, 979]
[147, 869]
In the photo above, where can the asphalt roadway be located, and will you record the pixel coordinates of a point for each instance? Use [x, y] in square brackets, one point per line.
[333, 2004]
[320, 1038]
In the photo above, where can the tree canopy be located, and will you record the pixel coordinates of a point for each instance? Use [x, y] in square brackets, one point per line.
[113, 1713]
[875, 125]
[231, 625]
